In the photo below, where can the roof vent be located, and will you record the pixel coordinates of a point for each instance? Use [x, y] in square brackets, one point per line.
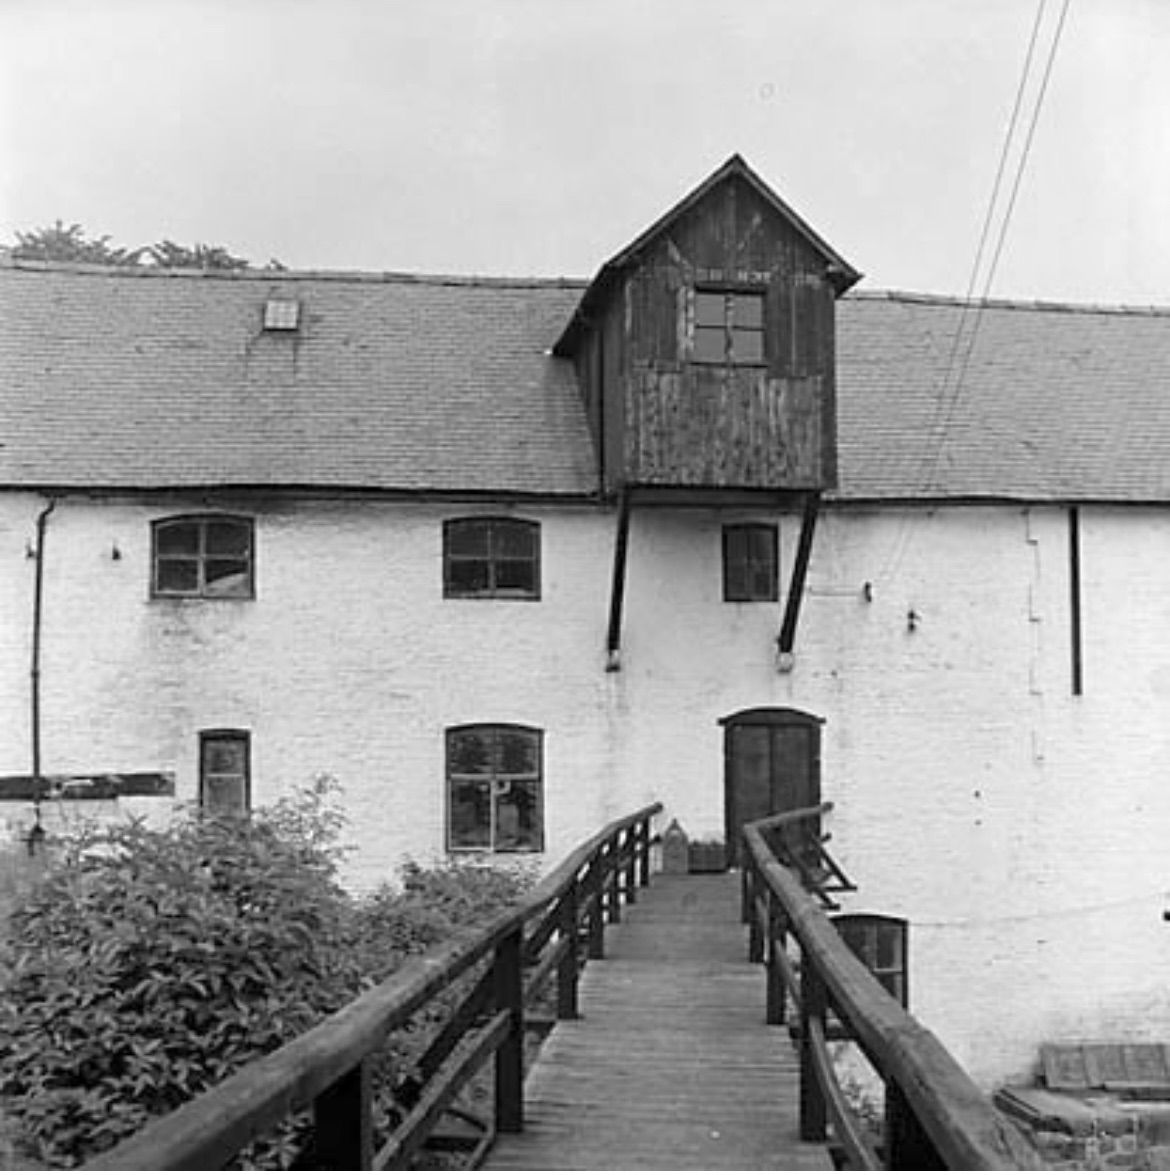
[281, 314]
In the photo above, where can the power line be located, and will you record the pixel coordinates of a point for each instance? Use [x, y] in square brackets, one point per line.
[989, 215]
[1003, 231]
[926, 466]
[947, 404]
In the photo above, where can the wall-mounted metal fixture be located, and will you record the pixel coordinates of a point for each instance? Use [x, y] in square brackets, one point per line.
[115, 553]
[912, 620]
[867, 591]
[30, 552]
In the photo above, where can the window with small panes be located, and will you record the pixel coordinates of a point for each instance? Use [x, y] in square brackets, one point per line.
[206, 557]
[225, 777]
[750, 563]
[495, 784]
[491, 558]
[880, 943]
[728, 326]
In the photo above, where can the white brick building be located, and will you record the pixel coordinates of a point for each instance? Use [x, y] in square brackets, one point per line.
[250, 576]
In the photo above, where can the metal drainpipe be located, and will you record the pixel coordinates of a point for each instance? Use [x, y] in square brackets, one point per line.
[37, 833]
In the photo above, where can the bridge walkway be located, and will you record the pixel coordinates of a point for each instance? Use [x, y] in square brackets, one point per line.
[671, 1065]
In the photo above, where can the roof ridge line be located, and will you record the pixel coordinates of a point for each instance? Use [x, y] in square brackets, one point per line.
[1044, 304]
[375, 277]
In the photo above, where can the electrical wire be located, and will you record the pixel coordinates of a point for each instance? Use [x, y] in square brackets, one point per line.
[1160, 897]
[948, 401]
[1003, 230]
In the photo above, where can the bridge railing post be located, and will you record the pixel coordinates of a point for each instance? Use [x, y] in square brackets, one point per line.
[630, 852]
[613, 868]
[908, 1146]
[569, 966]
[755, 932]
[343, 1136]
[813, 1005]
[595, 898]
[776, 945]
[508, 982]
[644, 852]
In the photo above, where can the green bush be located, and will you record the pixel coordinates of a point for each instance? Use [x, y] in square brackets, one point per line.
[148, 965]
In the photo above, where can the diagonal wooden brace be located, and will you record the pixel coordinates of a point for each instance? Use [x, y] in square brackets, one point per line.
[617, 593]
[808, 525]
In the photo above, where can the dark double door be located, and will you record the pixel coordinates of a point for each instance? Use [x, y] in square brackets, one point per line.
[772, 764]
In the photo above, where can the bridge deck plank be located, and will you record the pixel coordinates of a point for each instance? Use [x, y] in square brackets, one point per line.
[671, 1065]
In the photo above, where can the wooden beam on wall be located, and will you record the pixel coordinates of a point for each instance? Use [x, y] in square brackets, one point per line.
[618, 589]
[808, 524]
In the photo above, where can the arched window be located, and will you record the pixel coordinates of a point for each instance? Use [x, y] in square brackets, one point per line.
[880, 943]
[491, 558]
[206, 556]
[495, 799]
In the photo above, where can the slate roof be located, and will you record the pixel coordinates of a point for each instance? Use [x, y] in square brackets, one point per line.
[151, 379]
[1055, 402]
[155, 378]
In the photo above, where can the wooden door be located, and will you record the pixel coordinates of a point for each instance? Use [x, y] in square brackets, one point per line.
[772, 764]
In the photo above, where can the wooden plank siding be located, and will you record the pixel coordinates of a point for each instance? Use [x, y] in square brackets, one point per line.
[614, 347]
[675, 422]
[724, 426]
[671, 1065]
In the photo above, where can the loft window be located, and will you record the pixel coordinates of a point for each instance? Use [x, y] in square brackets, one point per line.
[750, 565]
[880, 943]
[729, 326]
[225, 779]
[495, 789]
[491, 558]
[204, 557]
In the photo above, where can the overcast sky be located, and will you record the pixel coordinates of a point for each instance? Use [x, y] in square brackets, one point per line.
[536, 137]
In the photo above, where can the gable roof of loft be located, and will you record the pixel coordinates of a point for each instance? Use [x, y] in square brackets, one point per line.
[126, 379]
[841, 273]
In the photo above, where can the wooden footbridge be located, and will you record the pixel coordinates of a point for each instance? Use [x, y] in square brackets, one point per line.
[672, 1046]
[657, 1071]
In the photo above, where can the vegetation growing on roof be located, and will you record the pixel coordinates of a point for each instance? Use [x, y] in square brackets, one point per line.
[61, 242]
[71, 243]
[148, 965]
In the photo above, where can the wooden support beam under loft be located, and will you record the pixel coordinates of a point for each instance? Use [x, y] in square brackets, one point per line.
[808, 525]
[617, 594]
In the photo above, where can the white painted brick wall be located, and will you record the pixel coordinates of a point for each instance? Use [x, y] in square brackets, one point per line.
[1019, 829]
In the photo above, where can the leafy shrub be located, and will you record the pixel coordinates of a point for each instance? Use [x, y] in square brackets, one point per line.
[148, 965]
[433, 904]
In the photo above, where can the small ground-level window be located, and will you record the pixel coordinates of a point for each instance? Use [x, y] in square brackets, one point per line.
[750, 564]
[225, 778]
[494, 789]
[491, 558]
[208, 557]
[880, 943]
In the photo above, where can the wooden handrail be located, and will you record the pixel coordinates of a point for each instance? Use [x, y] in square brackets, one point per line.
[936, 1115]
[327, 1065]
